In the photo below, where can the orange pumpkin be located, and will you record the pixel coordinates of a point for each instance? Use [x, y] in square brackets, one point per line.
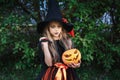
[71, 56]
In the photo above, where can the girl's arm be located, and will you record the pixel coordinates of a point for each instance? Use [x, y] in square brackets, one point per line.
[47, 55]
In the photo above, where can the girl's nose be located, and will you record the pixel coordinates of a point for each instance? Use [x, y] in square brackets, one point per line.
[56, 28]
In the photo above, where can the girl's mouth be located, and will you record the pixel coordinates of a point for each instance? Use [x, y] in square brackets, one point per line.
[56, 33]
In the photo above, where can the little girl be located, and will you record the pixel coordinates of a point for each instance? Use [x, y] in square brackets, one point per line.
[54, 42]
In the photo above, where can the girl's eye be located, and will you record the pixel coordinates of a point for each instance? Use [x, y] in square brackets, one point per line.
[52, 26]
[55, 26]
[59, 26]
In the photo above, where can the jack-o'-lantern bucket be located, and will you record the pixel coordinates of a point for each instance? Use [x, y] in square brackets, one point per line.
[71, 56]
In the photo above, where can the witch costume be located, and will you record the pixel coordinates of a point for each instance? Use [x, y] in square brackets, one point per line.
[59, 71]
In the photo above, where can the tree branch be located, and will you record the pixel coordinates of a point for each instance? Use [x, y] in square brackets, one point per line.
[37, 9]
[26, 10]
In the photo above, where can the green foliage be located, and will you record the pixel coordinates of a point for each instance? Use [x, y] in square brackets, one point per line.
[95, 72]
[18, 38]
[98, 42]
[93, 39]
[27, 57]
[27, 74]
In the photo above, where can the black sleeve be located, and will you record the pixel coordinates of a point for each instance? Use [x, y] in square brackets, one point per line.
[73, 44]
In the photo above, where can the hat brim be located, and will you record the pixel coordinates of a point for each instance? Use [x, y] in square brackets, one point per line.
[67, 26]
[41, 26]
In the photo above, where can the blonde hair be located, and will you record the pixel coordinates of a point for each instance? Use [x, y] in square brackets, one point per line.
[64, 39]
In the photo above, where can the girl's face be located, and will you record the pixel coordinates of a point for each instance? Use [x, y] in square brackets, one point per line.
[55, 29]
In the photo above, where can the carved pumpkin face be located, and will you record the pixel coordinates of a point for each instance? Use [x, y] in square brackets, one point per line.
[71, 56]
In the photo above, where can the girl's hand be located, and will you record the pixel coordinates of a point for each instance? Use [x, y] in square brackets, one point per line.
[73, 65]
[44, 40]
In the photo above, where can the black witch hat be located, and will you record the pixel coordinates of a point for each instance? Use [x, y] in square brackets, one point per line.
[53, 14]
